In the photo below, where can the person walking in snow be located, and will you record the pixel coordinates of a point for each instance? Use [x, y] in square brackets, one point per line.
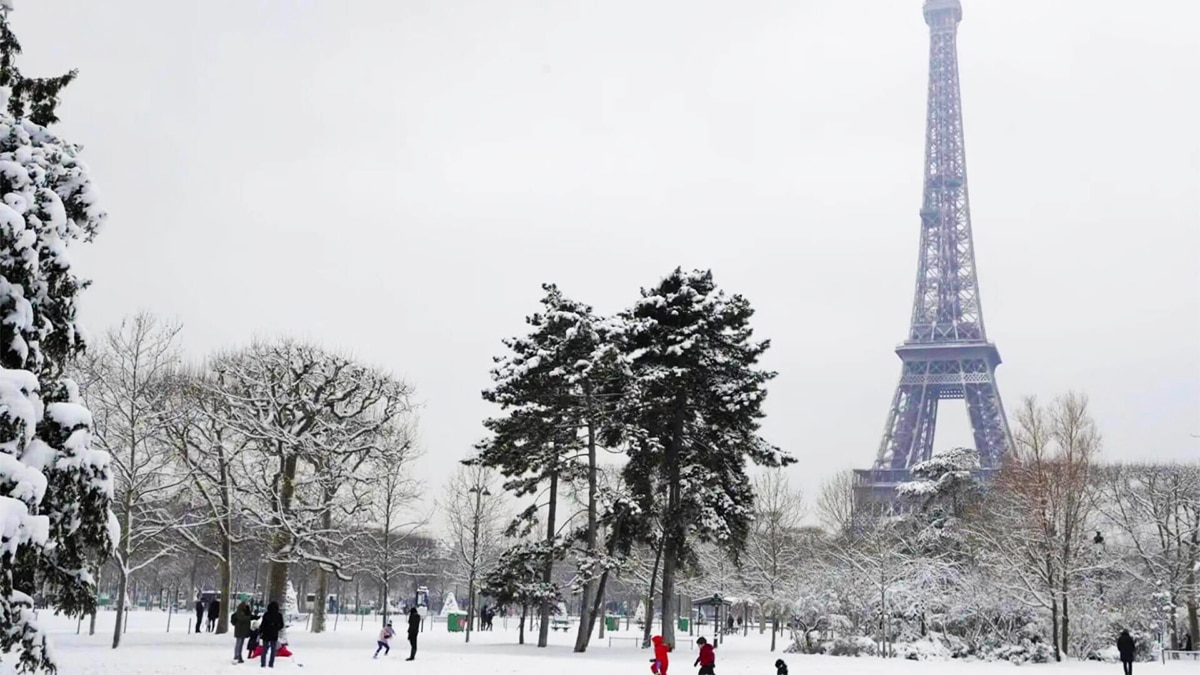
[214, 611]
[384, 641]
[199, 612]
[1127, 650]
[707, 659]
[660, 660]
[414, 627]
[268, 633]
[242, 621]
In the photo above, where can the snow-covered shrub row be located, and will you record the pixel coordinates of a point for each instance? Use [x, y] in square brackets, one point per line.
[963, 571]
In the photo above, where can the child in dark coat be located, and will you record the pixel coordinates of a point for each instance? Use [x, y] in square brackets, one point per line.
[780, 667]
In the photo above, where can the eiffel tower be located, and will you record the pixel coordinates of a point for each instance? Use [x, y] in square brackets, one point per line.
[947, 354]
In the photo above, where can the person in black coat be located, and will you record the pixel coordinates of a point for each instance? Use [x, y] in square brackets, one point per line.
[214, 611]
[268, 633]
[414, 627]
[780, 667]
[1127, 649]
[199, 612]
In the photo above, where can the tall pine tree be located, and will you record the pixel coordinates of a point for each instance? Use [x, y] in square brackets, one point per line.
[56, 526]
[697, 403]
[557, 387]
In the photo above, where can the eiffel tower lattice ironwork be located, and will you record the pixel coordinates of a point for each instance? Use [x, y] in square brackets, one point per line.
[947, 354]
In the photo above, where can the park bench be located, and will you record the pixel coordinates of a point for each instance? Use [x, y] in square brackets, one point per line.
[560, 624]
[1179, 654]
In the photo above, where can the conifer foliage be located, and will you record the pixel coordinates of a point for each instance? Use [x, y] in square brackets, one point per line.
[55, 490]
[697, 405]
[673, 384]
[557, 387]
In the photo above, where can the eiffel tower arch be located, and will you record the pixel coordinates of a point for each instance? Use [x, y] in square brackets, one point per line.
[946, 355]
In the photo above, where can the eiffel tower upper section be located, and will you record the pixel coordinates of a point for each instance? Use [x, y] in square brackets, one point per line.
[947, 354]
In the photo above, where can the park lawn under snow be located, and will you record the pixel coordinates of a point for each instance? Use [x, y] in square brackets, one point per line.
[147, 648]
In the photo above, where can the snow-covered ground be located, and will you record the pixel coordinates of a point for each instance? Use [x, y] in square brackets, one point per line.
[148, 648]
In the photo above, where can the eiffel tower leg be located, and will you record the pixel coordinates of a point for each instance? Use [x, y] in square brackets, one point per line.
[988, 422]
[908, 433]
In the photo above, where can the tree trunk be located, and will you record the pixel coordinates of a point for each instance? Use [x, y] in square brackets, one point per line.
[470, 604]
[598, 605]
[1054, 627]
[548, 572]
[1193, 614]
[226, 563]
[122, 584]
[226, 589]
[658, 551]
[521, 630]
[122, 563]
[672, 528]
[585, 609]
[1066, 621]
[277, 570]
[319, 602]
[774, 631]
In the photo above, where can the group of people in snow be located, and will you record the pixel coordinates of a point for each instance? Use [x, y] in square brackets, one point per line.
[261, 636]
[386, 635]
[213, 610]
[707, 659]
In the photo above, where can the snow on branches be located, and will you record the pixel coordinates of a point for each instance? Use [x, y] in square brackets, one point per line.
[55, 524]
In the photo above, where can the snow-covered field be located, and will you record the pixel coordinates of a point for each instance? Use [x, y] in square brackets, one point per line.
[148, 648]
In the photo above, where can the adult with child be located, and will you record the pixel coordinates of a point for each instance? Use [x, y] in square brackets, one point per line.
[243, 622]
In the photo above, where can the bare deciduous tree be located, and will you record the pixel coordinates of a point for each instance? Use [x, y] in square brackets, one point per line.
[476, 528]
[385, 552]
[774, 549]
[835, 504]
[127, 381]
[1043, 504]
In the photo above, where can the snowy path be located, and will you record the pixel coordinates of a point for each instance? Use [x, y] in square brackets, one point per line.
[147, 649]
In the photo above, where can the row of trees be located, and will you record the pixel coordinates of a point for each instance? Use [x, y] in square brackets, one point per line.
[1051, 557]
[293, 450]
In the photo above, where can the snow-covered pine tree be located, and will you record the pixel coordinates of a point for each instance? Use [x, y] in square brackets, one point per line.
[943, 489]
[698, 401]
[55, 491]
[558, 387]
[516, 579]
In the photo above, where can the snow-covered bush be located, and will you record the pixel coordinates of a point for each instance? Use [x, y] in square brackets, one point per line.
[851, 646]
[1025, 652]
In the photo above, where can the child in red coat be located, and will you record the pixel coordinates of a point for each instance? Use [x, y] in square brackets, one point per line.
[659, 662]
[707, 659]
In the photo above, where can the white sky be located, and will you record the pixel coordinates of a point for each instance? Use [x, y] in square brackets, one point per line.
[395, 178]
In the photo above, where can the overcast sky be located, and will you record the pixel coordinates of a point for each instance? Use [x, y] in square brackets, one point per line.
[394, 178]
